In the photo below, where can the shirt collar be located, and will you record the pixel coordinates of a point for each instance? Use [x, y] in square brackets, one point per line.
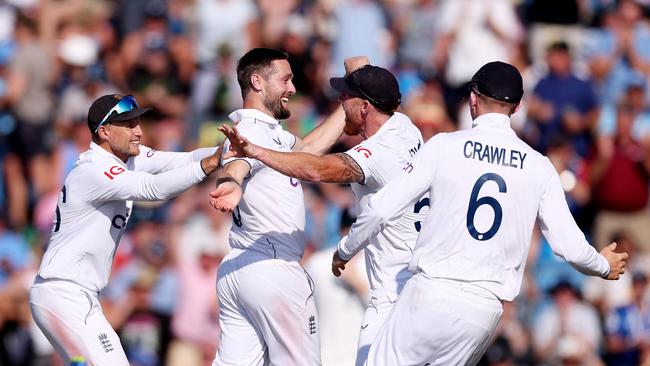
[394, 120]
[253, 113]
[492, 120]
[102, 152]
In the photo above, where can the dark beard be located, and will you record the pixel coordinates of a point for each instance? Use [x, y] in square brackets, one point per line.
[276, 108]
[350, 130]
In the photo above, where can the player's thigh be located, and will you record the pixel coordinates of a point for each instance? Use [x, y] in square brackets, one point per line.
[73, 322]
[374, 318]
[240, 343]
[278, 298]
[434, 326]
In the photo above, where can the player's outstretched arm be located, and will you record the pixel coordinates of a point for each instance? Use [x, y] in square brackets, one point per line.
[617, 261]
[333, 168]
[228, 192]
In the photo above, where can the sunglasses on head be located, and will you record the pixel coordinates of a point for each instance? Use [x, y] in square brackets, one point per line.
[126, 104]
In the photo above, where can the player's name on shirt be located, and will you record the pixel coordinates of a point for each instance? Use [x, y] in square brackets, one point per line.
[494, 154]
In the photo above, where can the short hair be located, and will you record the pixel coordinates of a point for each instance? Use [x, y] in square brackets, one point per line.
[495, 103]
[257, 60]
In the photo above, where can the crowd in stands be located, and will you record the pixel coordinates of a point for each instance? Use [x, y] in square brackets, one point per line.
[586, 67]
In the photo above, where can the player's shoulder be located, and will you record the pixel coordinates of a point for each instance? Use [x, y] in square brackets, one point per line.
[93, 168]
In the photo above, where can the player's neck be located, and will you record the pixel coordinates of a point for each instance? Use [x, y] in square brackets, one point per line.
[256, 103]
[374, 123]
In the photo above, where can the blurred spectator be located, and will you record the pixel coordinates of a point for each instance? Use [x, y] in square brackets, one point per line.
[14, 253]
[143, 330]
[619, 52]
[628, 327]
[619, 176]
[473, 33]
[416, 26]
[16, 345]
[158, 65]
[275, 16]
[361, 29]
[323, 218]
[607, 296]
[29, 95]
[195, 323]
[562, 104]
[56, 56]
[573, 173]
[200, 241]
[568, 329]
[426, 108]
[499, 353]
[341, 301]
[512, 344]
[225, 23]
[552, 20]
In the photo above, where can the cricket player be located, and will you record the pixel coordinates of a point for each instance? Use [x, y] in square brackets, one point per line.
[487, 189]
[92, 211]
[267, 311]
[369, 95]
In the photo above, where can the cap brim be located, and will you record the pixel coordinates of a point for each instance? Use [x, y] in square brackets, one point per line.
[127, 116]
[341, 86]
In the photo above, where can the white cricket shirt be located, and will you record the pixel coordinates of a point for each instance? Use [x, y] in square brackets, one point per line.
[382, 157]
[487, 188]
[95, 204]
[270, 217]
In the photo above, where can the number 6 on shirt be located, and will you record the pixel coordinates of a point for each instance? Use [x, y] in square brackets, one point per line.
[475, 203]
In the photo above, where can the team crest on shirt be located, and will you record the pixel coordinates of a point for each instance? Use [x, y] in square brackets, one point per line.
[105, 342]
[150, 153]
[312, 324]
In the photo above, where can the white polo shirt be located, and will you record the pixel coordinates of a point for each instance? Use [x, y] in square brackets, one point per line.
[487, 190]
[382, 157]
[270, 217]
[95, 204]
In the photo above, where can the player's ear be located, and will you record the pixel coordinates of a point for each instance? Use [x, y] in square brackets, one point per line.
[515, 108]
[256, 82]
[102, 132]
[473, 99]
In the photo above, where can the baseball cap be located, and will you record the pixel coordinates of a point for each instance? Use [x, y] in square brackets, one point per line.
[500, 81]
[372, 83]
[113, 108]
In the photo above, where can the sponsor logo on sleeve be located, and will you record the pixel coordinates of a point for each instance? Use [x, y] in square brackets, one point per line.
[362, 150]
[113, 171]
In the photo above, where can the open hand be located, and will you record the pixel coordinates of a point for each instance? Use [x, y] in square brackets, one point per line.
[226, 197]
[617, 261]
[240, 147]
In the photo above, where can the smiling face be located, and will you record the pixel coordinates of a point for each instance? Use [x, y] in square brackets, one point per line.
[122, 138]
[277, 88]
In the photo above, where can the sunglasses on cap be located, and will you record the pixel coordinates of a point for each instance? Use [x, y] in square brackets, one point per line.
[126, 104]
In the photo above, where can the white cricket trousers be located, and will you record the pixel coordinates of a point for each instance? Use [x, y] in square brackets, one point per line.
[374, 318]
[71, 318]
[267, 312]
[437, 322]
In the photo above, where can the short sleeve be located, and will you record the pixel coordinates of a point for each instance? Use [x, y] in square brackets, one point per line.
[253, 134]
[370, 156]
